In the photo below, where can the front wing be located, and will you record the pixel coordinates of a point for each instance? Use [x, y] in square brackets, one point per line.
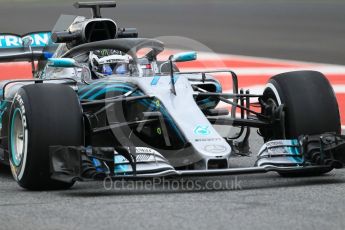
[305, 155]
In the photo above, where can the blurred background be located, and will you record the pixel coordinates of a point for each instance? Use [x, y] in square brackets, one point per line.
[307, 30]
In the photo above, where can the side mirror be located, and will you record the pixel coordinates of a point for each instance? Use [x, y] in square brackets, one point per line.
[182, 57]
[62, 62]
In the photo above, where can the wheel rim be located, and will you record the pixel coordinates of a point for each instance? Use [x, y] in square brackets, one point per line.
[17, 137]
[274, 109]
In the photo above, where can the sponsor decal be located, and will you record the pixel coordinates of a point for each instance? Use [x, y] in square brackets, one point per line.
[144, 154]
[275, 143]
[13, 41]
[207, 139]
[202, 130]
[215, 148]
[19, 99]
[145, 150]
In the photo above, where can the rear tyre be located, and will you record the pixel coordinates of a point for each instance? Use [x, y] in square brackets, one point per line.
[310, 107]
[42, 115]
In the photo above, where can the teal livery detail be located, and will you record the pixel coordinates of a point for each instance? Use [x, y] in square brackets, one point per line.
[98, 90]
[155, 80]
[62, 62]
[210, 102]
[295, 151]
[202, 130]
[119, 166]
[182, 57]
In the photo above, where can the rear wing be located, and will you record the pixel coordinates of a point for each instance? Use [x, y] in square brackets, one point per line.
[12, 49]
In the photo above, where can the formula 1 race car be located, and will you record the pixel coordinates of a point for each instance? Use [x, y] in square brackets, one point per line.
[78, 119]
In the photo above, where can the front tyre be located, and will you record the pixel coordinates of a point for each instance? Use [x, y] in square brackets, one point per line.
[309, 100]
[310, 108]
[42, 115]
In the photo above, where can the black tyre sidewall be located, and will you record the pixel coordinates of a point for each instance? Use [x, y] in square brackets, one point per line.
[310, 103]
[311, 107]
[54, 117]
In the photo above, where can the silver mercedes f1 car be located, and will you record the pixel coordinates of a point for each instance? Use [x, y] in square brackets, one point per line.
[96, 109]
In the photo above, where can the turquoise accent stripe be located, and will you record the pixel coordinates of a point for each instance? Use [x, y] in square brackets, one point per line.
[99, 83]
[3, 105]
[62, 62]
[105, 89]
[120, 168]
[186, 56]
[87, 87]
[208, 102]
[155, 80]
[146, 102]
[291, 151]
[295, 151]
[90, 90]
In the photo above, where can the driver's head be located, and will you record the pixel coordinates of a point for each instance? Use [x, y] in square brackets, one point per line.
[107, 62]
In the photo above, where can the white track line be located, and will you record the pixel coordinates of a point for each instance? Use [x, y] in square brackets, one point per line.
[258, 89]
[273, 70]
[210, 56]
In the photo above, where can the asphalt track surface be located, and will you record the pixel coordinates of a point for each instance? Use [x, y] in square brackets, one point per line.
[293, 30]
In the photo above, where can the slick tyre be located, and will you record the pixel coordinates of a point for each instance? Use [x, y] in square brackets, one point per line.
[42, 115]
[310, 107]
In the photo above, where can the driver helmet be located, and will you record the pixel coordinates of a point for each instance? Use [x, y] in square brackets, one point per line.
[107, 62]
